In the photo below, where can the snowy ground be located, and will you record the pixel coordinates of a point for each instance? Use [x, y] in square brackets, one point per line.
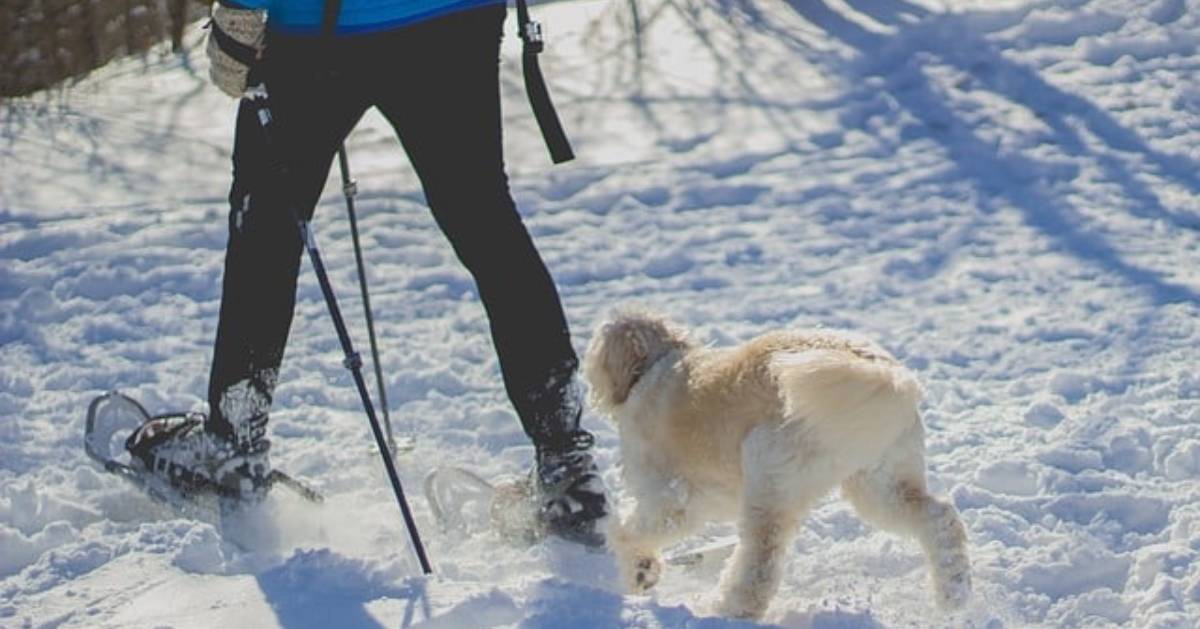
[1005, 194]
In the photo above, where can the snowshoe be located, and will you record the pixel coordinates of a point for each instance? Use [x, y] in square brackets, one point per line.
[465, 503]
[562, 496]
[120, 435]
[700, 550]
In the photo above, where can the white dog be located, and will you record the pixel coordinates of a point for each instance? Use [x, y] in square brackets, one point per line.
[760, 432]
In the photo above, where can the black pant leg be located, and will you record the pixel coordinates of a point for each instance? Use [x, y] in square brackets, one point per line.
[312, 116]
[446, 109]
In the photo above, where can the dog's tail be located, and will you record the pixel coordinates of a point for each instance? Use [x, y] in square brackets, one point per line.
[848, 402]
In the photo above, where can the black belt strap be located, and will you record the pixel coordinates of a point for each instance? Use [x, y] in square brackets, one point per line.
[532, 44]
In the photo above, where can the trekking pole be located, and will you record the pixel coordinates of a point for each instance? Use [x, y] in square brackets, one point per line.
[350, 190]
[256, 96]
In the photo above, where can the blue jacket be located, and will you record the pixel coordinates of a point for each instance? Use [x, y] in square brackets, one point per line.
[356, 16]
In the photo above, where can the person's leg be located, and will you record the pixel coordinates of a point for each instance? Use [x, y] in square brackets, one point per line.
[446, 110]
[312, 114]
[261, 263]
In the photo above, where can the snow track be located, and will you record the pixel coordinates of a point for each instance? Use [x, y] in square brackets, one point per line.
[1004, 194]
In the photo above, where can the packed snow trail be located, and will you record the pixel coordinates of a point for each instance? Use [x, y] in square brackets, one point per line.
[1004, 194]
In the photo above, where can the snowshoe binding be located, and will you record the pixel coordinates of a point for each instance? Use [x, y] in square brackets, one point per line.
[177, 449]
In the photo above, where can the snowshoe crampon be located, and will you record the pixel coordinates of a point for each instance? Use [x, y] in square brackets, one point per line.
[114, 416]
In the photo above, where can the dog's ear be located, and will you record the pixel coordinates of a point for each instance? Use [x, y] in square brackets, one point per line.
[614, 361]
[623, 349]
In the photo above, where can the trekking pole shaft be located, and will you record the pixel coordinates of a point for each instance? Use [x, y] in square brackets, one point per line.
[349, 189]
[353, 362]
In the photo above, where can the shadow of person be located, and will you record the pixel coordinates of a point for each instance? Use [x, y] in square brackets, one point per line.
[320, 589]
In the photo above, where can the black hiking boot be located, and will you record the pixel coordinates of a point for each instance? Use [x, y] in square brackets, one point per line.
[569, 491]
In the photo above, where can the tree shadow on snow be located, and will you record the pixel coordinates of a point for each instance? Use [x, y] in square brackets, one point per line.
[1014, 176]
[630, 73]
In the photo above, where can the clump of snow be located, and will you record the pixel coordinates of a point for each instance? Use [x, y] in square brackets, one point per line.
[1072, 386]
[1044, 414]
[1008, 477]
[1184, 461]
[18, 550]
[200, 551]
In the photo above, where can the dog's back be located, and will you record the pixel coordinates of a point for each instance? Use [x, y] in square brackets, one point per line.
[849, 397]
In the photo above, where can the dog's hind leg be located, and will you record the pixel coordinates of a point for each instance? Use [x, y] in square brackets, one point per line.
[756, 568]
[893, 496]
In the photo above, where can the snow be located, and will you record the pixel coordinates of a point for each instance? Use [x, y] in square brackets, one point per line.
[1004, 194]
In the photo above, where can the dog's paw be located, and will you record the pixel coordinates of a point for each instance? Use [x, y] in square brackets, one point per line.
[742, 595]
[643, 573]
[741, 607]
[954, 585]
[951, 567]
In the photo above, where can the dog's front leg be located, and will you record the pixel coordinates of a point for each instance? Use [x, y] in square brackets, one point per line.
[778, 491]
[753, 574]
[656, 521]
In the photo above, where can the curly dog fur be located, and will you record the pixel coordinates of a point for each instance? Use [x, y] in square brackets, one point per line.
[759, 433]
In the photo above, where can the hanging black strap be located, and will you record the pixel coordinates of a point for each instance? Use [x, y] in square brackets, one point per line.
[532, 45]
